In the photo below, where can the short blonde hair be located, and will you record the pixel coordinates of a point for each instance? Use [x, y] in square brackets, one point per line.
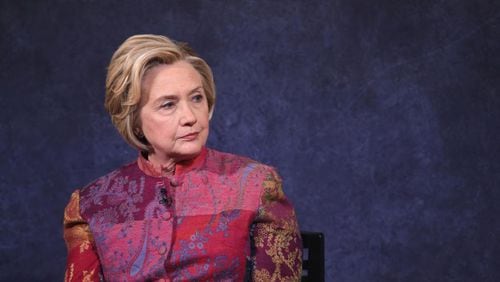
[129, 63]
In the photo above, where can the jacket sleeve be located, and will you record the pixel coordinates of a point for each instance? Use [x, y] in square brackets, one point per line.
[276, 242]
[82, 262]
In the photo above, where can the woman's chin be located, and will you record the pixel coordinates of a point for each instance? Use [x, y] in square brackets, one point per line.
[187, 151]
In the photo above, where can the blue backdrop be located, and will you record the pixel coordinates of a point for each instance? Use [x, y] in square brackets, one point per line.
[382, 117]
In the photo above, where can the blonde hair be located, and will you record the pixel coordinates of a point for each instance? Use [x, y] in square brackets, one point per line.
[129, 63]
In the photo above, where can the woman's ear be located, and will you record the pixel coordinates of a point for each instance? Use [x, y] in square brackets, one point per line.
[138, 132]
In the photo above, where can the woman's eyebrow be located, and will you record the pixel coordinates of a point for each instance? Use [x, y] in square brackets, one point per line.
[167, 97]
[196, 89]
[175, 96]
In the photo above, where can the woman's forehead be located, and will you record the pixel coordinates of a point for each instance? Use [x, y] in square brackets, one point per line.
[170, 80]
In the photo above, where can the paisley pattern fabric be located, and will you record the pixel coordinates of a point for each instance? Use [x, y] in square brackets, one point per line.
[219, 217]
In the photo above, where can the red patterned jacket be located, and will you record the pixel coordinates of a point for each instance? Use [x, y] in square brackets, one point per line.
[220, 217]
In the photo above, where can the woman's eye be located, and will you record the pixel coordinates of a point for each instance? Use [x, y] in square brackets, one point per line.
[167, 105]
[198, 98]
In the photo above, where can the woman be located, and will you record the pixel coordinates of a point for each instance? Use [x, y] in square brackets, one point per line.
[181, 211]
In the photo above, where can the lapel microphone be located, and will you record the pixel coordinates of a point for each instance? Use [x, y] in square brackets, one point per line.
[164, 198]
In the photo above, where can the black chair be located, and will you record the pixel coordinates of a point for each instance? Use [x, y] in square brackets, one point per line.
[313, 256]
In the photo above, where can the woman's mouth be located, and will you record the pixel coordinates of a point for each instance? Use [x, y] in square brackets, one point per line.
[189, 137]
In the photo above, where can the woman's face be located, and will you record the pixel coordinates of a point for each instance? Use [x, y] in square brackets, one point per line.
[174, 112]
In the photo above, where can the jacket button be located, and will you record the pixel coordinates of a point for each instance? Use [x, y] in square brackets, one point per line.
[174, 182]
[162, 250]
[166, 215]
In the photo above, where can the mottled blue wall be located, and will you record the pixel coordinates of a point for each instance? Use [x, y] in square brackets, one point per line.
[383, 118]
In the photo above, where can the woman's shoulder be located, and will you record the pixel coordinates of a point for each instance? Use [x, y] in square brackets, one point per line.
[106, 180]
[228, 163]
[112, 185]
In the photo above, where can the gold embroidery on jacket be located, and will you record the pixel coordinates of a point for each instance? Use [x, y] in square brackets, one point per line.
[84, 246]
[76, 230]
[70, 277]
[87, 276]
[276, 235]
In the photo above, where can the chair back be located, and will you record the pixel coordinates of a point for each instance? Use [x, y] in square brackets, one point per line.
[313, 256]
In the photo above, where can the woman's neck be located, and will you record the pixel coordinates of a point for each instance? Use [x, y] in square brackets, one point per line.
[162, 164]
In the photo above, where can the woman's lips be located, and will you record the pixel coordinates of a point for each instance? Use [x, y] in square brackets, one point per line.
[190, 136]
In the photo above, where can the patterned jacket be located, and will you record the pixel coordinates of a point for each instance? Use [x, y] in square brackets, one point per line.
[220, 217]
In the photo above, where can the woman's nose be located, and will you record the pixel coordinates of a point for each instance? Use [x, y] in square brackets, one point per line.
[187, 116]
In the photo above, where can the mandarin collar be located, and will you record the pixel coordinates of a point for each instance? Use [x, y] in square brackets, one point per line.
[182, 167]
